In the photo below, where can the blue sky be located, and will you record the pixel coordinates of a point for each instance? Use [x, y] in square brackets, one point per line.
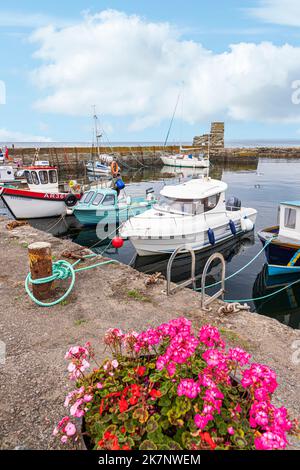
[56, 61]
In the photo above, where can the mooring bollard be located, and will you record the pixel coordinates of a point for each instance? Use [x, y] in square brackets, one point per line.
[40, 262]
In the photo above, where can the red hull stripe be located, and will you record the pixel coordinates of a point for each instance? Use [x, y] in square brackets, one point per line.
[37, 195]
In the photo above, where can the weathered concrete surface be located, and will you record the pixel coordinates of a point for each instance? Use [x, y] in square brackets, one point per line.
[34, 379]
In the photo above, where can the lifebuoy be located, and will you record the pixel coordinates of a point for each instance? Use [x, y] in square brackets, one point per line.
[114, 167]
[70, 200]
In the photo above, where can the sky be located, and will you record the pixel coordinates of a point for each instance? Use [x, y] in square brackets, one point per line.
[233, 61]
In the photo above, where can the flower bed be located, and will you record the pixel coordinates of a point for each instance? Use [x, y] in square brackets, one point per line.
[169, 388]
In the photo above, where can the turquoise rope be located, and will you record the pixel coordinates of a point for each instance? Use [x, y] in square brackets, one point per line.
[61, 270]
[239, 270]
[263, 296]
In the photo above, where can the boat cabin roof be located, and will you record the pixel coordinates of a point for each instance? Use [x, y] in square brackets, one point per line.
[199, 188]
[291, 203]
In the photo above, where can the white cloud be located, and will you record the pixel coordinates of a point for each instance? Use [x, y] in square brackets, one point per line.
[130, 67]
[26, 20]
[284, 12]
[15, 136]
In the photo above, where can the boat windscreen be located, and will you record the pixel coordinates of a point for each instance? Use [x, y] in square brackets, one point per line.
[98, 198]
[88, 197]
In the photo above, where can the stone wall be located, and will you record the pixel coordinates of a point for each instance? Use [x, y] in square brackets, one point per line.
[215, 138]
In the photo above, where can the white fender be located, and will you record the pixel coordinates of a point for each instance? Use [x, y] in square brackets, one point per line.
[246, 224]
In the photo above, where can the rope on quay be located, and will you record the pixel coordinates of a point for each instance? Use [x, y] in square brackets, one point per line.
[62, 270]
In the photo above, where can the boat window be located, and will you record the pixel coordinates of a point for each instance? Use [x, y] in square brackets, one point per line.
[109, 200]
[28, 177]
[35, 178]
[43, 177]
[182, 206]
[97, 199]
[290, 218]
[211, 202]
[188, 206]
[52, 176]
[88, 197]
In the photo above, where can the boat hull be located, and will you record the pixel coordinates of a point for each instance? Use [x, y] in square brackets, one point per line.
[32, 205]
[185, 162]
[281, 256]
[89, 217]
[198, 241]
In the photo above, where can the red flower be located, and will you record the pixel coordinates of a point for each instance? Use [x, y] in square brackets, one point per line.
[123, 405]
[125, 447]
[101, 407]
[140, 370]
[133, 400]
[206, 437]
[123, 429]
[155, 393]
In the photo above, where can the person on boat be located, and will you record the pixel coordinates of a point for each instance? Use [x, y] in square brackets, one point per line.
[115, 179]
[6, 153]
[114, 167]
[1, 156]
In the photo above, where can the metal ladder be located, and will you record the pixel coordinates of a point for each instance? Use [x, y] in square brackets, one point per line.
[220, 293]
[192, 280]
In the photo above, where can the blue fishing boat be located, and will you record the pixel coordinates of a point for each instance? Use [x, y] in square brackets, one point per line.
[282, 242]
[104, 206]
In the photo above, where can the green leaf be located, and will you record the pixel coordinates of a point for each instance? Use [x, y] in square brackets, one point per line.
[148, 445]
[141, 414]
[152, 425]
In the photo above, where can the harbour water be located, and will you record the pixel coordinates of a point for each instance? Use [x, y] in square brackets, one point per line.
[261, 186]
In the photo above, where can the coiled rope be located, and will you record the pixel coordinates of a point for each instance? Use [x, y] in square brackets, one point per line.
[61, 270]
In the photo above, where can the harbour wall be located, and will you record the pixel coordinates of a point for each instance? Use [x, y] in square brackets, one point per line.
[137, 157]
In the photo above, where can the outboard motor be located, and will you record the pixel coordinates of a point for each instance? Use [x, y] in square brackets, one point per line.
[233, 204]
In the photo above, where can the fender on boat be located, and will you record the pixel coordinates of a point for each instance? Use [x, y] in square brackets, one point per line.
[246, 224]
[232, 227]
[211, 236]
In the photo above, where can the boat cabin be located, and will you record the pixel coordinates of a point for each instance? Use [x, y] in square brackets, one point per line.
[193, 197]
[95, 197]
[289, 220]
[42, 178]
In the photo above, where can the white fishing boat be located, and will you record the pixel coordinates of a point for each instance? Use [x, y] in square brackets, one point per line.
[41, 198]
[186, 160]
[193, 213]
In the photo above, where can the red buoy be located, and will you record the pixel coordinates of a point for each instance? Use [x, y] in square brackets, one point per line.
[117, 242]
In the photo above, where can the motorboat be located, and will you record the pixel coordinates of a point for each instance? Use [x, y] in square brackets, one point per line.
[187, 158]
[104, 206]
[193, 213]
[282, 242]
[41, 198]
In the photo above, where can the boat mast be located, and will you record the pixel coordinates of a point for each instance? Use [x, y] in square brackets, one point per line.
[97, 134]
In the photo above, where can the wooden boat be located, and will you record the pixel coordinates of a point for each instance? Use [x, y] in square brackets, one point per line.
[105, 207]
[282, 242]
[41, 198]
